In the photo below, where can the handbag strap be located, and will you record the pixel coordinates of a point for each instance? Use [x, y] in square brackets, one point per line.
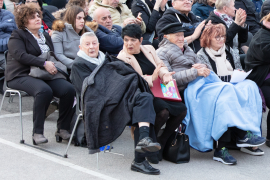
[62, 72]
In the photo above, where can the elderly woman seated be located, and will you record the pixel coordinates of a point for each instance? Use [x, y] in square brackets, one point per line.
[25, 46]
[88, 58]
[144, 60]
[225, 116]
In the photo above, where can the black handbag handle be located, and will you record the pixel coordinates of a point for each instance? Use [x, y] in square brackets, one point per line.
[175, 137]
[62, 72]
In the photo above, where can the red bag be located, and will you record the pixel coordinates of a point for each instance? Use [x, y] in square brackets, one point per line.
[167, 92]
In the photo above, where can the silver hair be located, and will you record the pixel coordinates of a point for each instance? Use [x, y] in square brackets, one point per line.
[87, 34]
[221, 3]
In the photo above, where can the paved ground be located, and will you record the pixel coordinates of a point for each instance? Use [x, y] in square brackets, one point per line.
[24, 162]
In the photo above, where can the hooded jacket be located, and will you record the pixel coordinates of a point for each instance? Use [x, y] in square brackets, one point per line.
[265, 8]
[66, 42]
[202, 10]
[119, 14]
[180, 62]
[7, 25]
[190, 23]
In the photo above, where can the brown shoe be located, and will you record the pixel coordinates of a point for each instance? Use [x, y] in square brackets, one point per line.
[39, 139]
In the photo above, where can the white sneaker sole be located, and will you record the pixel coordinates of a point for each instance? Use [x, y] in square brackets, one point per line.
[252, 153]
[221, 160]
[249, 145]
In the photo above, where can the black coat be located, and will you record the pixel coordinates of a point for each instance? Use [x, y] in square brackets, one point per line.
[257, 57]
[190, 22]
[23, 53]
[48, 18]
[150, 20]
[253, 18]
[80, 69]
[231, 31]
[265, 8]
[108, 97]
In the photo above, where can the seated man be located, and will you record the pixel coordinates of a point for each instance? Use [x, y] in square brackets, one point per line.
[109, 35]
[142, 116]
[230, 114]
[7, 25]
[181, 12]
[120, 13]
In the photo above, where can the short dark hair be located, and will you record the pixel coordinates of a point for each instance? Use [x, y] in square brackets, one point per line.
[132, 30]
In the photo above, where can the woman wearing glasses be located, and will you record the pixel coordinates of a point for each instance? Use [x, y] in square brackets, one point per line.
[67, 34]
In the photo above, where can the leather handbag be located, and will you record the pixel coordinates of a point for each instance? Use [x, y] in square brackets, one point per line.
[43, 74]
[167, 92]
[177, 149]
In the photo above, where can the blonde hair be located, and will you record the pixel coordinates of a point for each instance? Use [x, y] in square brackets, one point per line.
[219, 4]
[266, 17]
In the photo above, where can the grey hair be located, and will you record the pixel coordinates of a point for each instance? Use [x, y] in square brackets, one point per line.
[87, 34]
[221, 3]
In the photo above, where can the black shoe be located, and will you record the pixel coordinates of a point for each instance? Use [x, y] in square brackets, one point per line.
[144, 167]
[153, 159]
[250, 150]
[147, 145]
[224, 157]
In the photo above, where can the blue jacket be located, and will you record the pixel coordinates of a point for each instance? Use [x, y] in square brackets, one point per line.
[7, 25]
[110, 41]
[202, 10]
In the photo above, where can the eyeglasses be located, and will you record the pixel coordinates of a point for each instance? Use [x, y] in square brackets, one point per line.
[190, 1]
[218, 38]
[31, 1]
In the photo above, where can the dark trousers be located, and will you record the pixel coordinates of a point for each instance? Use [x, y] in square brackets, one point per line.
[143, 111]
[43, 92]
[266, 93]
[230, 135]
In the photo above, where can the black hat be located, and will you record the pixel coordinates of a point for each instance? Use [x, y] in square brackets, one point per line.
[172, 28]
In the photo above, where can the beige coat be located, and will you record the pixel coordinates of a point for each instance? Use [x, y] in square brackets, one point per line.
[117, 18]
[151, 55]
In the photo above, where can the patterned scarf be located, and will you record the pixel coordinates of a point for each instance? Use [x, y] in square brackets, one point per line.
[41, 41]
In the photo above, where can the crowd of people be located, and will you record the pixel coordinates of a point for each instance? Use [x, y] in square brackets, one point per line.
[113, 50]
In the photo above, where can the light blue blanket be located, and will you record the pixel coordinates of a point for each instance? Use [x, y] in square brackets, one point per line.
[213, 106]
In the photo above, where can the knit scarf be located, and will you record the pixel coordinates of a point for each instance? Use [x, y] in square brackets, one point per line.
[224, 67]
[97, 61]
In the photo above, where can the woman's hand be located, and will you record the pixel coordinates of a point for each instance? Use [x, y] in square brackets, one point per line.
[160, 4]
[240, 17]
[167, 77]
[155, 73]
[49, 66]
[203, 72]
[198, 66]
[198, 30]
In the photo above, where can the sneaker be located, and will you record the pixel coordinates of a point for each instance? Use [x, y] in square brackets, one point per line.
[250, 150]
[224, 157]
[250, 140]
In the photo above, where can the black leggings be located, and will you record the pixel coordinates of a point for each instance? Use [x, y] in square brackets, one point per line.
[266, 93]
[43, 92]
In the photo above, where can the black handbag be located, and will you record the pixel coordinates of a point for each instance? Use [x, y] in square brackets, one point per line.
[177, 148]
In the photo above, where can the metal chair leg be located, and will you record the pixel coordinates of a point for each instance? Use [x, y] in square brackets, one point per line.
[20, 106]
[72, 134]
[3, 101]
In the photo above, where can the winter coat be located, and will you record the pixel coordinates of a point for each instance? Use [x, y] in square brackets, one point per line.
[190, 22]
[117, 17]
[231, 31]
[61, 13]
[151, 55]
[253, 17]
[110, 40]
[202, 10]
[150, 17]
[257, 57]
[265, 8]
[81, 69]
[7, 25]
[108, 97]
[48, 18]
[231, 55]
[175, 60]
[66, 42]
